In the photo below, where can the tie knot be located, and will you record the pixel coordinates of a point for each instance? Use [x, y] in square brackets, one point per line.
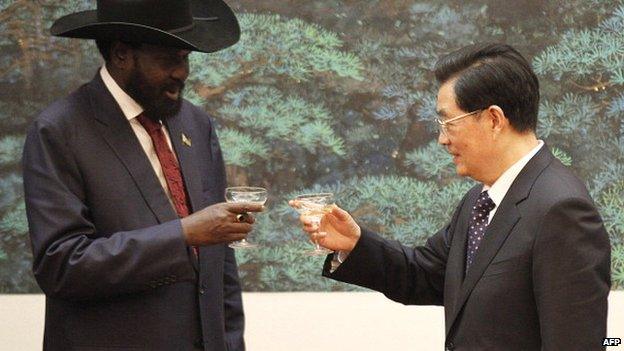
[147, 123]
[484, 203]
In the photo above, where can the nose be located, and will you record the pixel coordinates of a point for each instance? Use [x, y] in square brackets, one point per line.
[181, 68]
[181, 71]
[443, 138]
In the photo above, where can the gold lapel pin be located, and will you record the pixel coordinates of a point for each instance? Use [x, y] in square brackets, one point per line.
[186, 140]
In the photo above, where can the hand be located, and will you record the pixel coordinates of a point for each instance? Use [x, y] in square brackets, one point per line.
[338, 230]
[218, 223]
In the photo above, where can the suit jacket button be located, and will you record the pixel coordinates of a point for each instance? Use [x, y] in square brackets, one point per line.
[202, 291]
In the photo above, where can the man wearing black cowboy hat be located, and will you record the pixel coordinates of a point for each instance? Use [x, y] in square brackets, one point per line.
[124, 184]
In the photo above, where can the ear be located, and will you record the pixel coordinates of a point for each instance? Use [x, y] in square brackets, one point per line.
[122, 55]
[497, 118]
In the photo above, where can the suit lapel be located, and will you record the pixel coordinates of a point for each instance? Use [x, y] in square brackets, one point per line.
[455, 265]
[181, 140]
[180, 130]
[503, 222]
[118, 134]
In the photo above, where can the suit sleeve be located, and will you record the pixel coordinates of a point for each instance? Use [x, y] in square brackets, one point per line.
[406, 275]
[232, 291]
[409, 275]
[571, 276]
[71, 259]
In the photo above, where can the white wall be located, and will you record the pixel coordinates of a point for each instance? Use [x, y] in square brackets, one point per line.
[299, 321]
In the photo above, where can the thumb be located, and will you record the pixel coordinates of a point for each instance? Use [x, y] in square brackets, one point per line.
[340, 214]
[338, 218]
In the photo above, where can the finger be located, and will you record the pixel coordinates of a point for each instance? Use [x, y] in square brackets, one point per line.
[320, 235]
[307, 224]
[294, 203]
[321, 239]
[311, 238]
[238, 228]
[316, 236]
[240, 207]
[340, 214]
[309, 221]
[345, 228]
[310, 228]
[244, 218]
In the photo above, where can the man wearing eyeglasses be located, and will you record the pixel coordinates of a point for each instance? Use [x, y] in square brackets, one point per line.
[524, 262]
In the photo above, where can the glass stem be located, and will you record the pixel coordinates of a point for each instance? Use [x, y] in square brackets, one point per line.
[316, 242]
[317, 246]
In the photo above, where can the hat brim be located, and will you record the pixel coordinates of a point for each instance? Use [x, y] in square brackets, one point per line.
[214, 28]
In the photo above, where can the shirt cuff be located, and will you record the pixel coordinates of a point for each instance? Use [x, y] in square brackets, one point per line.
[338, 258]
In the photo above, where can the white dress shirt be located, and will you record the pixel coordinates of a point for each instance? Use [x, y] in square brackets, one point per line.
[131, 109]
[497, 193]
[499, 189]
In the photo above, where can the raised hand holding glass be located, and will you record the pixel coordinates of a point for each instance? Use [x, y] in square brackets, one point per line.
[314, 206]
[245, 194]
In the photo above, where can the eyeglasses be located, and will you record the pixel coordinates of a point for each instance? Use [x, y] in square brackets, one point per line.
[443, 125]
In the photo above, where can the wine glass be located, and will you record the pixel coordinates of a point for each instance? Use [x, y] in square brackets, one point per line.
[315, 206]
[245, 194]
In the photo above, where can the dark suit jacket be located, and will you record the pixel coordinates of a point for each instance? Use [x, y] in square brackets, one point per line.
[540, 279]
[108, 247]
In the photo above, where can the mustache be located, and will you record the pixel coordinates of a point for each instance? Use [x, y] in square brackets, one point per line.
[174, 86]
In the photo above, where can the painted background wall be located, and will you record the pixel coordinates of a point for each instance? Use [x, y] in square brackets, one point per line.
[339, 96]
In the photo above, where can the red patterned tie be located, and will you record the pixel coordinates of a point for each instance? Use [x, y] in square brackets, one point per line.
[169, 165]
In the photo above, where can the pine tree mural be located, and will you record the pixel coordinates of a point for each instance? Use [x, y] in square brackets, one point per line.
[339, 96]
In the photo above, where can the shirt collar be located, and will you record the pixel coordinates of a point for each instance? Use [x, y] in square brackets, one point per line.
[500, 187]
[130, 108]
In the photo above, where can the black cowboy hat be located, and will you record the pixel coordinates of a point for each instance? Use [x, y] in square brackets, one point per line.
[197, 25]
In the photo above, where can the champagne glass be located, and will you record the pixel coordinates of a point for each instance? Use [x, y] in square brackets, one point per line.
[245, 194]
[315, 206]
